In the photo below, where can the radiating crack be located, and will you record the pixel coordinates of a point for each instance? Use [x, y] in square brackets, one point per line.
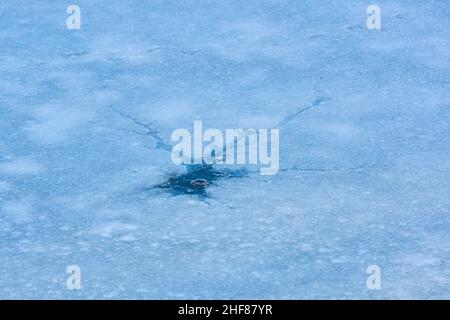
[335, 169]
[198, 178]
[292, 116]
[150, 130]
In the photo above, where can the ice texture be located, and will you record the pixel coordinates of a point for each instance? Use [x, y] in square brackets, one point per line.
[86, 177]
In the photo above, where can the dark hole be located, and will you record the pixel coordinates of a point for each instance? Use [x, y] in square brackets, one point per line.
[198, 178]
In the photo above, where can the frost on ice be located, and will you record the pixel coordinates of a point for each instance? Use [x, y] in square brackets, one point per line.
[86, 177]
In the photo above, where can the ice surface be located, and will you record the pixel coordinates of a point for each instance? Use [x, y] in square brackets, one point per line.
[86, 117]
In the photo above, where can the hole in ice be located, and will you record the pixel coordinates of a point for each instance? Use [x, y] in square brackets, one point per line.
[197, 179]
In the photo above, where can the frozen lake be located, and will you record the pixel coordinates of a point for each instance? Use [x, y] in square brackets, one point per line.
[86, 176]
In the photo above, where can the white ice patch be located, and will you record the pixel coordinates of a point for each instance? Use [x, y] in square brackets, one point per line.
[115, 228]
[54, 123]
[244, 39]
[4, 186]
[419, 260]
[113, 48]
[171, 111]
[20, 167]
[258, 121]
[128, 238]
[18, 211]
[343, 131]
